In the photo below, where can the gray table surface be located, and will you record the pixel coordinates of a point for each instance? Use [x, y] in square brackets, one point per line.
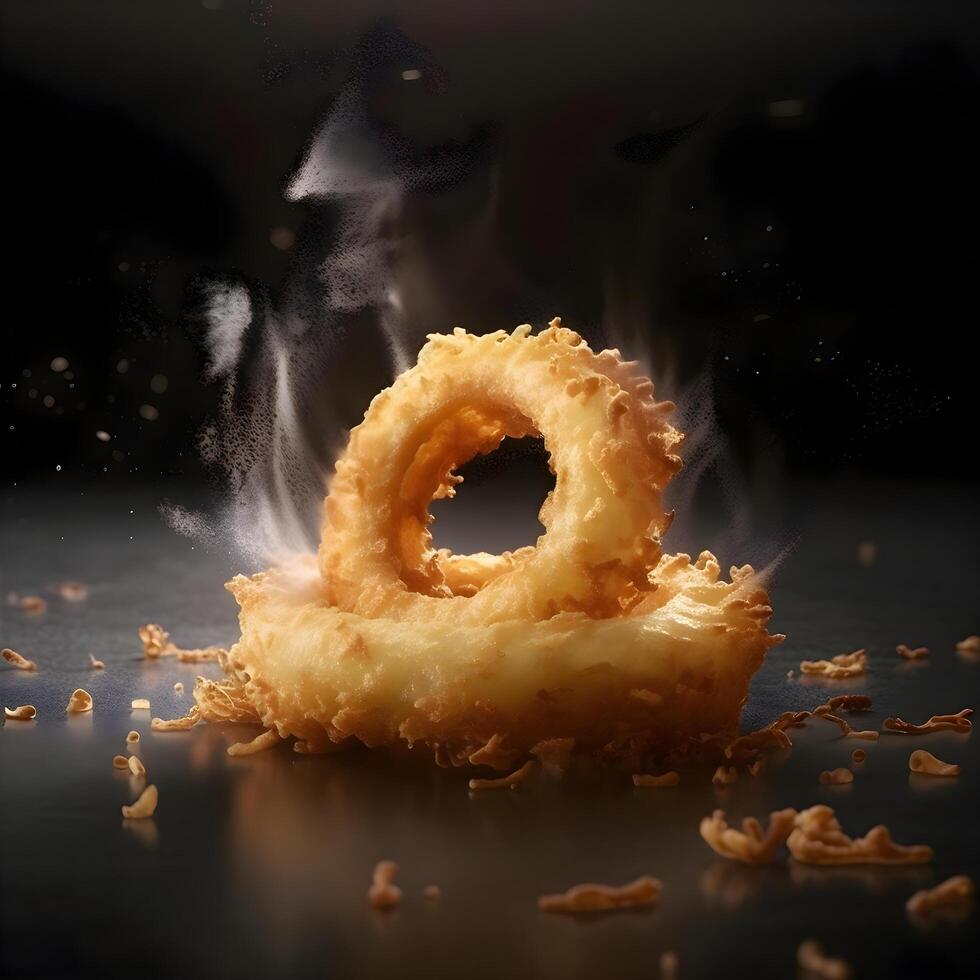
[258, 867]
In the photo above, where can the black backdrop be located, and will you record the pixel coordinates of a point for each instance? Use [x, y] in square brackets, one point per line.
[780, 198]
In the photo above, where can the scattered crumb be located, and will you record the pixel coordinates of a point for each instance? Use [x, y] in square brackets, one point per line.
[656, 782]
[724, 776]
[16, 660]
[750, 844]
[120, 762]
[79, 702]
[554, 753]
[505, 782]
[836, 719]
[955, 891]
[493, 754]
[156, 643]
[868, 736]
[928, 765]
[266, 740]
[818, 838]
[647, 697]
[836, 777]
[73, 591]
[970, 644]
[811, 958]
[867, 552]
[179, 688]
[790, 674]
[757, 767]
[140, 704]
[133, 737]
[95, 664]
[772, 736]
[33, 604]
[907, 653]
[847, 702]
[432, 892]
[859, 755]
[596, 898]
[669, 965]
[841, 666]
[183, 724]
[384, 893]
[145, 806]
[24, 712]
[136, 766]
[960, 722]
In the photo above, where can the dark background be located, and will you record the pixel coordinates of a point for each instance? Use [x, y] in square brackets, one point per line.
[776, 199]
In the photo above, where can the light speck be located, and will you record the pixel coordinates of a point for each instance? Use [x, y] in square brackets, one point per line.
[102, 435]
[149, 412]
[768, 227]
[124, 267]
[48, 401]
[123, 366]
[59, 364]
[282, 238]
[411, 75]
[58, 468]
[159, 383]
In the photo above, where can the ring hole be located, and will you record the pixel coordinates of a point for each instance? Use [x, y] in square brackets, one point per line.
[496, 506]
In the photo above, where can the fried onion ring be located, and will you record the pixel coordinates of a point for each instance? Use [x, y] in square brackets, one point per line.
[384, 639]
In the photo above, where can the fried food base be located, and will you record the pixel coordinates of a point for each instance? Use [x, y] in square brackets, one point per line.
[323, 675]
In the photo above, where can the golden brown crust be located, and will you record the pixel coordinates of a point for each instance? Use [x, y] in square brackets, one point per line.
[602, 898]
[818, 839]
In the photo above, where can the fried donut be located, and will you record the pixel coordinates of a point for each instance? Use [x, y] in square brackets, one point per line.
[383, 639]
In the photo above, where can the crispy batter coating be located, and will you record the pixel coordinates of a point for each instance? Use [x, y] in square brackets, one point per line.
[953, 892]
[591, 639]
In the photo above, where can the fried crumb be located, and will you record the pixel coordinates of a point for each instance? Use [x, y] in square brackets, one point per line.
[266, 740]
[647, 697]
[133, 737]
[859, 755]
[970, 644]
[432, 892]
[16, 660]
[750, 844]
[33, 604]
[724, 776]
[836, 777]
[384, 893]
[746, 746]
[669, 965]
[505, 782]
[183, 724]
[836, 719]
[79, 702]
[867, 552]
[598, 898]
[811, 958]
[224, 700]
[73, 591]
[790, 674]
[818, 838]
[869, 735]
[655, 782]
[960, 722]
[849, 702]
[955, 891]
[120, 762]
[493, 754]
[839, 667]
[95, 664]
[554, 753]
[136, 766]
[140, 704]
[156, 643]
[145, 806]
[23, 712]
[908, 653]
[927, 764]
[756, 767]
[179, 688]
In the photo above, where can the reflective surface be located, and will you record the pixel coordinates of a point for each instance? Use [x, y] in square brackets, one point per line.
[260, 866]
